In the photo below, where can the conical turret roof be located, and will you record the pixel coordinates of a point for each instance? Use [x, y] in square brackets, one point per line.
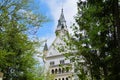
[62, 18]
[61, 22]
[45, 47]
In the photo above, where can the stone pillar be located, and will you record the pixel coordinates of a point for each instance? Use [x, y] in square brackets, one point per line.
[1, 76]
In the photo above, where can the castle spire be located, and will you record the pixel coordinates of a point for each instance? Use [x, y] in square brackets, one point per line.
[61, 22]
[45, 47]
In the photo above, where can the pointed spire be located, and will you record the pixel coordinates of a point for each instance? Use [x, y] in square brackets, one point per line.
[61, 22]
[62, 18]
[45, 47]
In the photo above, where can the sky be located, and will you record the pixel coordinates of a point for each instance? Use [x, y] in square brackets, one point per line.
[52, 10]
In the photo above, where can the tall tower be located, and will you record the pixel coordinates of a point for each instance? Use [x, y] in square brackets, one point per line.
[55, 61]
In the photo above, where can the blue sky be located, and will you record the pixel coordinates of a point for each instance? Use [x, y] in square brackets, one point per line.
[52, 9]
[46, 28]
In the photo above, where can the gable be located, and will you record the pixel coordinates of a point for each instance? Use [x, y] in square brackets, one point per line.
[53, 50]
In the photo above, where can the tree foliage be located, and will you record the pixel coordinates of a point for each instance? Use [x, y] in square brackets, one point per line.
[95, 42]
[17, 51]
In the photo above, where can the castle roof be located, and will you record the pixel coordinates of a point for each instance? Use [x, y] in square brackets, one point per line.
[45, 47]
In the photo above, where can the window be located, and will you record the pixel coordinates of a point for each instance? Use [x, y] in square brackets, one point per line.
[62, 61]
[66, 78]
[52, 71]
[62, 26]
[56, 71]
[55, 79]
[62, 78]
[52, 63]
[60, 70]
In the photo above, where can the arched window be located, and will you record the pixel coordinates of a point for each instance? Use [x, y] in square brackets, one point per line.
[55, 79]
[52, 71]
[62, 78]
[66, 78]
[56, 71]
[62, 26]
[60, 70]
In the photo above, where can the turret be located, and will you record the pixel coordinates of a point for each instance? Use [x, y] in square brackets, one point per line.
[45, 49]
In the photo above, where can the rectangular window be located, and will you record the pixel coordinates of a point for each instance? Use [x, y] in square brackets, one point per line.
[62, 61]
[52, 63]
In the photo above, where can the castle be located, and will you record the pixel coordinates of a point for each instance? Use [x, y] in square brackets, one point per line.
[55, 61]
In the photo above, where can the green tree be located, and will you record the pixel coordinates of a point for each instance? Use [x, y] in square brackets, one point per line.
[17, 50]
[96, 39]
